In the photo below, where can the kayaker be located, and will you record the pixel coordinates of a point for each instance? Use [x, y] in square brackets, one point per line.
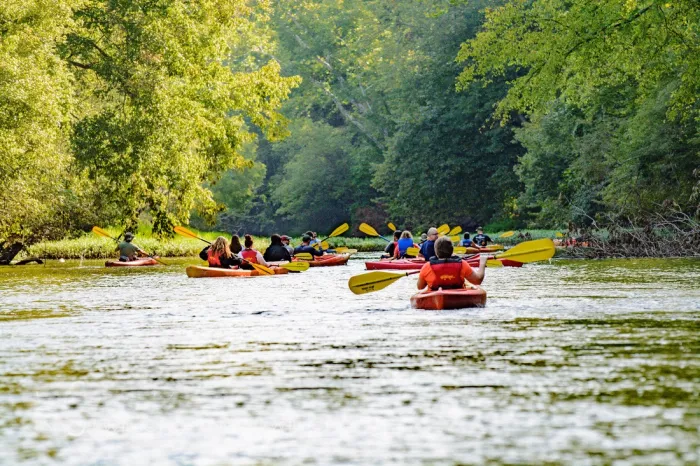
[306, 247]
[276, 252]
[391, 247]
[250, 254]
[466, 242]
[403, 244]
[481, 239]
[427, 249]
[219, 254]
[127, 250]
[285, 242]
[449, 272]
[423, 239]
[236, 246]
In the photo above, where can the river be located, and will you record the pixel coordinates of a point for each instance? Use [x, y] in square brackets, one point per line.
[586, 362]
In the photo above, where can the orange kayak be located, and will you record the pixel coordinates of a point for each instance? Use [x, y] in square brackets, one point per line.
[449, 299]
[195, 271]
[137, 263]
[328, 260]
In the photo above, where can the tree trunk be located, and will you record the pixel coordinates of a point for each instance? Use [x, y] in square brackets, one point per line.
[7, 253]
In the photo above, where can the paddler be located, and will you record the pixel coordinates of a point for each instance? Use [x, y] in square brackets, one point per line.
[427, 249]
[466, 242]
[236, 246]
[391, 247]
[405, 242]
[127, 251]
[251, 255]
[285, 242]
[276, 252]
[219, 254]
[306, 247]
[447, 271]
[481, 239]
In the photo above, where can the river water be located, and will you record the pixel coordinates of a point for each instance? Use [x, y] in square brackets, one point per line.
[585, 362]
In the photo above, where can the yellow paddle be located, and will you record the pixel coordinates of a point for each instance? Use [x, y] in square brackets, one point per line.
[559, 234]
[296, 266]
[412, 251]
[337, 232]
[188, 234]
[454, 239]
[344, 250]
[391, 226]
[529, 251]
[375, 281]
[443, 229]
[507, 234]
[369, 231]
[99, 231]
[455, 231]
[305, 256]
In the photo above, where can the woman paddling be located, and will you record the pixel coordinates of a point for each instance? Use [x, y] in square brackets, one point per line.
[251, 255]
[219, 255]
[403, 244]
[236, 246]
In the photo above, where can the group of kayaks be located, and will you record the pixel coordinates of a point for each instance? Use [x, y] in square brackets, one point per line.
[327, 260]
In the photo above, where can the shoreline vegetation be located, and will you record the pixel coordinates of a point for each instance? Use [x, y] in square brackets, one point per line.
[650, 241]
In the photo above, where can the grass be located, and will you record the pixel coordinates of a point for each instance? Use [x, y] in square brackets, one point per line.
[92, 246]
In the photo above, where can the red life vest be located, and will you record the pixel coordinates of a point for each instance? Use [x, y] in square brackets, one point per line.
[448, 273]
[251, 255]
[213, 258]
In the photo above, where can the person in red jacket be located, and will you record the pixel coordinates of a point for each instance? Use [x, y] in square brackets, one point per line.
[446, 272]
[219, 254]
[251, 255]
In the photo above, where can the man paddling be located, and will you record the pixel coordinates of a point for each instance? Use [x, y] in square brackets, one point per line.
[306, 247]
[481, 239]
[127, 251]
[448, 272]
[427, 249]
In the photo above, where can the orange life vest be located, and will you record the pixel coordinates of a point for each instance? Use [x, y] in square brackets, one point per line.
[213, 258]
[251, 255]
[448, 273]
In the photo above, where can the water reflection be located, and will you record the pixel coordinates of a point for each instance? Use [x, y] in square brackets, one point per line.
[587, 362]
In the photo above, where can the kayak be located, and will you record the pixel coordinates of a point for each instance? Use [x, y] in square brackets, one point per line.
[477, 250]
[417, 264]
[328, 260]
[137, 263]
[196, 271]
[449, 299]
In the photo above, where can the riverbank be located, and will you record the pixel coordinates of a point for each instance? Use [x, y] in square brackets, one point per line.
[91, 246]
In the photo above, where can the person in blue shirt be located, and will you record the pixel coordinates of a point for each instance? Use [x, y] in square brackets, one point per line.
[466, 242]
[405, 242]
[427, 249]
[305, 246]
[481, 239]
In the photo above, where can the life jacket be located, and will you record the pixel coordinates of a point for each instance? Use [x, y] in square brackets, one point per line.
[251, 255]
[448, 273]
[403, 244]
[213, 258]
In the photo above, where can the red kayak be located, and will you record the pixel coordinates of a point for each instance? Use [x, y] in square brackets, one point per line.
[417, 264]
[137, 263]
[449, 299]
[328, 260]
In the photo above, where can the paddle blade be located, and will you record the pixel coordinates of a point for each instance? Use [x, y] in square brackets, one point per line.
[315, 246]
[507, 234]
[185, 232]
[559, 234]
[530, 251]
[344, 250]
[459, 250]
[296, 266]
[391, 226]
[99, 231]
[325, 245]
[412, 251]
[443, 229]
[368, 230]
[262, 269]
[454, 239]
[304, 256]
[455, 231]
[372, 281]
[340, 230]
[496, 247]
[494, 263]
